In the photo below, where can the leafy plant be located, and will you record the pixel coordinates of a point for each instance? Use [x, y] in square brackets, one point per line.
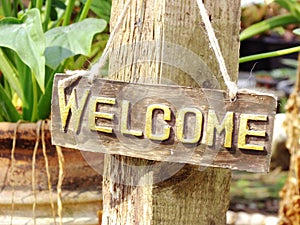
[32, 50]
[100, 8]
[292, 17]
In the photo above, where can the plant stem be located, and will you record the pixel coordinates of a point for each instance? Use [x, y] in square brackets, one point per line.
[57, 22]
[68, 12]
[8, 89]
[85, 10]
[10, 75]
[20, 3]
[269, 54]
[8, 110]
[15, 8]
[39, 5]
[34, 115]
[47, 15]
[6, 7]
[32, 4]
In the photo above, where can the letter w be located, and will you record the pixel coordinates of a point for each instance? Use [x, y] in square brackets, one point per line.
[72, 106]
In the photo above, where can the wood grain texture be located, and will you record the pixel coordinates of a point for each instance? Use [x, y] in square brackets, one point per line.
[188, 196]
[176, 98]
[289, 194]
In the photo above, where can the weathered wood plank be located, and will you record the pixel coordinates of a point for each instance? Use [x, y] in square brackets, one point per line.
[190, 196]
[134, 130]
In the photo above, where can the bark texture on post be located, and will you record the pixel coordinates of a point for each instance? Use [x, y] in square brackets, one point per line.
[189, 196]
[289, 212]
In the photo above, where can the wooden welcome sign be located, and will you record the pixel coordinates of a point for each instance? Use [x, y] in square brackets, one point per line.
[164, 123]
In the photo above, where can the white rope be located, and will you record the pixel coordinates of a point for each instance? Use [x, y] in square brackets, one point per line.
[96, 68]
[232, 88]
[74, 75]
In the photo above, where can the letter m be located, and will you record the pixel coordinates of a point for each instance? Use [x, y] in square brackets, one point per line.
[214, 125]
[69, 110]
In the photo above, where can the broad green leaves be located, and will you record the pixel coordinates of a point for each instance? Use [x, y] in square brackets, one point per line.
[293, 17]
[29, 58]
[64, 42]
[101, 8]
[26, 38]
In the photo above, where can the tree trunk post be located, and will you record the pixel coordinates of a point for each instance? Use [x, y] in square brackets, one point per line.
[136, 191]
[289, 211]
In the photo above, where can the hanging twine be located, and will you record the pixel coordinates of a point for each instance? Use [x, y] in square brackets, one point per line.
[232, 88]
[96, 68]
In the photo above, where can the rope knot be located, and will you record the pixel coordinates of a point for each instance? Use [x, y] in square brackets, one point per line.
[231, 86]
[232, 91]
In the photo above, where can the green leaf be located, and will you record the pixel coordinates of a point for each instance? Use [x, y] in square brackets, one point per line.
[8, 111]
[268, 24]
[10, 74]
[44, 105]
[59, 4]
[8, 89]
[27, 87]
[296, 31]
[53, 13]
[292, 6]
[26, 38]
[6, 7]
[101, 8]
[64, 42]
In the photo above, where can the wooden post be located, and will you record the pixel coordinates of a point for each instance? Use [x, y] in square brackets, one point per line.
[289, 205]
[190, 196]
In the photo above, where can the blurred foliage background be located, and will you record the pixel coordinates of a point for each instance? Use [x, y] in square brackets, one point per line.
[39, 38]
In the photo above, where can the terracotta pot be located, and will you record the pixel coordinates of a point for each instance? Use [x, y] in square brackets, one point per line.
[81, 186]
